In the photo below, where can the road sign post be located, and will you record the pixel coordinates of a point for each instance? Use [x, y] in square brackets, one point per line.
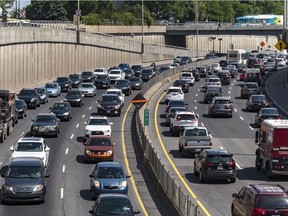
[146, 117]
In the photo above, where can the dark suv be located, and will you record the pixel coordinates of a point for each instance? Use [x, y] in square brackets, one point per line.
[65, 83]
[260, 199]
[31, 97]
[225, 77]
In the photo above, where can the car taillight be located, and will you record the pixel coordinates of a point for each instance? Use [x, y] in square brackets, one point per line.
[208, 164]
[231, 164]
[258, 211]
[279, 117]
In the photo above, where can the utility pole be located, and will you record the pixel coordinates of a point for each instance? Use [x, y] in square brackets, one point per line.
[285, 23]
[197, 32]
[142, 29]
[78, 14]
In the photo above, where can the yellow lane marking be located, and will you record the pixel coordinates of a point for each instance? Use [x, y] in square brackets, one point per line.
[144, 211]
[172, 163]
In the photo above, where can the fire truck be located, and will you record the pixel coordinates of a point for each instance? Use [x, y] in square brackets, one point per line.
[7, 113]
[272, 151]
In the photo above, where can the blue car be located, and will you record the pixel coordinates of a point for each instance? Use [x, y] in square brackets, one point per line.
[42, 91]
[108, 177]
[124, 66]
[53, 89]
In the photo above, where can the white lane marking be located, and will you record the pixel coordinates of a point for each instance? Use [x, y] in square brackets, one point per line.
[22, 134]
[62, 193]
[83, 116]
[202, 124]
[241, 118]
[229, 92]
[195, 101]
[1, 163]
[251, 128]
[90, 108]
[211, 136]
[198, 89]
[221, 147]
[230, 88]
[196, 95]
[195, 108]
[67, 150]
[72, 136]
[238, 166]
[63, 169]
[77, 125]
[235, 110]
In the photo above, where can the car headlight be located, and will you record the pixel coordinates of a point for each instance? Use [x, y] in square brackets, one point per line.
[66, 113]
[36, 127]
[137, 84]
[106, 131]
[124, 184]
[117, 107]
[87, 151]
[65, 99]
[96, 184]
[33, 99]
[109, 152]
[38, 187]
[99, 106]
[53, 127]
[78, 99]
[66, 85]
[8, 188]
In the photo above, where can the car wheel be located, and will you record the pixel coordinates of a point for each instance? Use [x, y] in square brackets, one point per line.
[258, 163]
[233, 211]
[179, 148]
[201, 178]
[268, 171]
[38, 105]
[183, 153]
[195, 172]
[2, 138]
[233, 180]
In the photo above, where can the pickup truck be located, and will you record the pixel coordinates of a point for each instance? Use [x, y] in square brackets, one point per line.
[194, 139]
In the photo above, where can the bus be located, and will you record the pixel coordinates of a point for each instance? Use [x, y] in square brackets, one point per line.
[257, 20]
[237, 56]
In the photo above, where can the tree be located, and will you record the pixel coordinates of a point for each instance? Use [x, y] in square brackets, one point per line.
[5, 5]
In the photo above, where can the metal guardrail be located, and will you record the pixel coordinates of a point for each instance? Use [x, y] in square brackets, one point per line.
[185, 205]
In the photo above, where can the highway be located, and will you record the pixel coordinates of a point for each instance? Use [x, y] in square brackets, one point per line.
[235, 134]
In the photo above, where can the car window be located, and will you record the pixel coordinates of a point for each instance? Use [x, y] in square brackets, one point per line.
[272, 202]
[110, 99]
[24, 172]
[45, 119]
[269, 111]
[114, 207]
[248, 198]
[110, 172]
[60, 106]
[115, 72]
[215, 158]
[186, 117]
[99, 142]
[98, 122]
[196, 132]
[86, 85]
[101, 76]
[251, 85]
[186, 75]
[29, 147]
[27, 92]
[222, 102]
[174, 90]
[51, 85]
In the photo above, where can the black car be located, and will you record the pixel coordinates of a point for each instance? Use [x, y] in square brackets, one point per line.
[21, 108]
[225, 77]
[215, 164]
[175, 103]
[136, 83]
[62, 110]
[109, 105]
[102, 81]
[147, 74]
[195, 73]
[124, 85]
[76, 80]
[45, 124]
[185, 60]
[31, 97]
[266, 113]
[163, 69]
[74, 97]
[210, 55]
[223, 63]
[256, 102]
[113, 204]
[202, 71]
[211, 93]
[137, 69]
[88, 76]
[43, 93]
[183, 84]
[65, 83]
[129, 73]
[24, 180]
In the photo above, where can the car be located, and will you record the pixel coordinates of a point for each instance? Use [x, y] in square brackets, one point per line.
[129, 73]
[123, 66]
[213, 82]
[253, 75]
[43, 94]
[281, 62]
[109, 104]
[76, 80]
[75, 97]
[136, 83]
[202, 71]
[171, 113]
[187, 76]
[31, 147]
[209, 69]
[24, 180]
[183, 84]
[260, 199]
[266, 113]
[216, 67]
[210, 55]
[232, 70]
[225, 77]
[30, 96]
[215, 164]
[124, 85]
[100, 71]
[113, 204]
[65, 83]
[223, 63]
[102, 81]
[195, 73]
[241, 67]
[88, 76]
[182, 119]
[221, 105]
[45, 124]
[261, 67]
[21, 108]
[249, 88]
[211, 93]
[185, 60]
[243, 75]
[163, 69]
[62, 110]
[98, 148]
[137, 69]
[256, 102]
[118, 92]
[116, 74]
[174, 93]
[270, 66]
[53, 89]
[97, 125]
[88, 89]
[173, 65]
[252, 61]
[108, 177]
[147, 74]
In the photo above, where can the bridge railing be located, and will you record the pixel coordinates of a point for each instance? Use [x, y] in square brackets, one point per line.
[173, 188]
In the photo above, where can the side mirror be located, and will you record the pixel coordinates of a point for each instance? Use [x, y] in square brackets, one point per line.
[113, 144]
[47, 148]
[137, 212]
[235, 195]
[256, 136]
[46, 176]
[111, 123]
[91, 176]
[128, 176]
[12, 148]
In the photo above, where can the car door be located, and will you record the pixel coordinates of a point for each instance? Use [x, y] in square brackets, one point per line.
[238, 203]
[198, 161]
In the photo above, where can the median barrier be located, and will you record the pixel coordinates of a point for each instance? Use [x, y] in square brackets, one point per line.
[185, 205]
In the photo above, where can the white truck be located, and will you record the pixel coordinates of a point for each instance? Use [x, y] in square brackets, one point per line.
[194, 139]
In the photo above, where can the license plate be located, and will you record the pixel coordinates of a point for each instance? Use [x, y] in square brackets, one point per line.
[275, 215]
[219, 167]
[108, 111]
[259, 103]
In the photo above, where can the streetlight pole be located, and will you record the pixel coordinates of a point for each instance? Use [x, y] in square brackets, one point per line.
[213, 39]
[220, 43]
[197, 32]
[78, 13]
[142, 30]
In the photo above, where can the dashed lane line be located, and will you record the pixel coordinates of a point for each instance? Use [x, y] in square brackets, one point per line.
[67, 150]
[72, 136]
[63, 169]
[251, 128]
[83, 116]
[77, 125]
[235, 110]
[195, 108]
[202, 124]
[241, 118]
[62, 193]
[90, 107]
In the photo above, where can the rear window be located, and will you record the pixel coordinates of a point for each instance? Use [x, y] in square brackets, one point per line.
[219, 158]
[186, 75]
[270, 111]
[174, 90]
[222, 102]
[272, 202]
[213, 80]
[196, 132]
[186, 117]
[252, 85]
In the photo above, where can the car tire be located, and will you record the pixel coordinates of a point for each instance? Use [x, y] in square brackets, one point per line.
[38, 105]
[183, 153]
[201, 179]
[268, 171]
[233, 180]
[258, 165]
[180, 148]
[233, 211]
[195, 172]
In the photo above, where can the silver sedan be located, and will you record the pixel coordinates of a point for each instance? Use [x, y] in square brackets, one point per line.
[88, 89]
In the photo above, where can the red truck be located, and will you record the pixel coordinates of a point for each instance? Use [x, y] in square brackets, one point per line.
[272, 152]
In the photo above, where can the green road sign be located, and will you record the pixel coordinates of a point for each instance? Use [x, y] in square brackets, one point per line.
[146, 117]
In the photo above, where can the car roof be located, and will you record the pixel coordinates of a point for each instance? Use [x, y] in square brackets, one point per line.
[222, 97]
[268, 188]
[184, 113]
[31, 139]
[109, 164]
[46, 114]
[109, 196]
[213, 151]
[174, 87]
[113, 90]
[24, 161]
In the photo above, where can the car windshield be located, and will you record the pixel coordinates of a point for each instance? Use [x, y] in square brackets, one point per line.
[222, 102]
[196, 132]
[98, 122]
[99, 70]
[147, 72]
[41, 91]
[216, 158]
[87, 73]
[212, 91]
[186, 75]
[110, 99]
[51, 85]
[174, 91]
[214, 65]
[29, 147]
[62, 79]
[101, 77]
[272, 202]
[269, 112]
[87, 85]
[175, 109]
[45, 119]
[114, 92]
[99, 142]
[135, 79]
[114, 207]
[24, 172]
[180, 82]
[27, 92]
[258, 98]
[186, 117]
[19, 103]
[122, 82]
[123, 65]
[176, 102]
[251, 85]
[128, 71]
[110, 172]
[135, 67]
[74, 77]
[75, 94]
[213, 80]
[115, 72]
[60, 106]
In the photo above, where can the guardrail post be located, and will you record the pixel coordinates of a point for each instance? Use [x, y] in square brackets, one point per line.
[196, 210]
[188, 202]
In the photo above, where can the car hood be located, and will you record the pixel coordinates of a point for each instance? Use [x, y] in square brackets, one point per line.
[59, 111]
[121, 87]
[86, 89]
[109, 103]
[111, 182]
[40, 155]
[86, 76]
[99, 148]
[51, 89]
[23, 182]
[101, 80]
[72, 97]
[98, 127]
[43, 124]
